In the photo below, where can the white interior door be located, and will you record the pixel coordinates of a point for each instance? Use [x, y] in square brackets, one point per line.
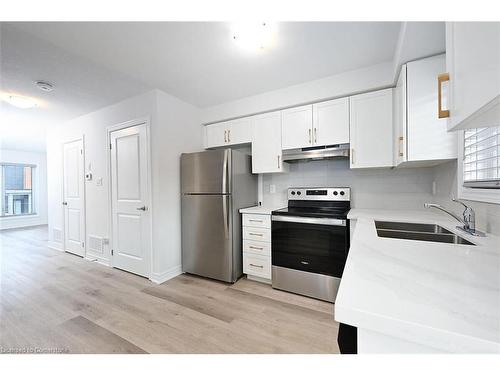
[74, 197]
[130, 200]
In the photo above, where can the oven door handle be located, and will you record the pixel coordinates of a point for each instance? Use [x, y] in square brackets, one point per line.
[310, 220]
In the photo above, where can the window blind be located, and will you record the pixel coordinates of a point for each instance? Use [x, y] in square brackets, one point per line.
[482, 158]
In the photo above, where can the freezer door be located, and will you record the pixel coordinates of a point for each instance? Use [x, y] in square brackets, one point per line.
[207, 236]
[206, 172]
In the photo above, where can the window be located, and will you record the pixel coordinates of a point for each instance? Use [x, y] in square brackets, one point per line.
[17, 189]
[481, 162]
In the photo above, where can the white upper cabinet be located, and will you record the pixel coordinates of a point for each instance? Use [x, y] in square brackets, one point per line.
[331, 122]
[371, 130]
[240, 131]
[296, 128]
[399, 118]
[216, 135]
[421, 136]
[266, 144]
[473, 64]
[229, 133]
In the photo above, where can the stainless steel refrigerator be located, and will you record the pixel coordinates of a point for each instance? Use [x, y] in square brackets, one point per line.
[215, 185]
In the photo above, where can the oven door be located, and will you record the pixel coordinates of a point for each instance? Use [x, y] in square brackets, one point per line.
[317, 245]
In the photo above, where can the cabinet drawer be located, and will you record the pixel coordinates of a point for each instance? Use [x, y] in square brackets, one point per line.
[257, 234]
[251, 220]
[257, 247]
[256, 265]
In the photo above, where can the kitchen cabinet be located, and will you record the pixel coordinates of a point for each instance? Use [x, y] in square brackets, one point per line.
[331, 122]
[473, 65]
[229, 133]
[421, 137]
[320, 124]
[371, 130]
[266, 144]
[256, 231]
[296, 127]
[216, 135]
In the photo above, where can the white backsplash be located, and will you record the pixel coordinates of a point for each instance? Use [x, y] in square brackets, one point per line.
[370, 188]
[402, 188]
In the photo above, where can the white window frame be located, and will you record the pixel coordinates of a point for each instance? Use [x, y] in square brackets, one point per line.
[34, 191]
[472, 194]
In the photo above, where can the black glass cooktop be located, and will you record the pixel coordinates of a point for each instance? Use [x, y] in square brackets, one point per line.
[330, 212]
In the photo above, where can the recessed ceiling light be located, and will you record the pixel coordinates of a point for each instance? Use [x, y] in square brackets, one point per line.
[254, 36]
[20, 101]
[44, 86]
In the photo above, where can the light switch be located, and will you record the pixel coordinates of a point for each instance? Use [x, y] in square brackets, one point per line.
[99, 181]
[272, 189]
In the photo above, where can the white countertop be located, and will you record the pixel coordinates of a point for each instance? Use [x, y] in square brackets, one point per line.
[260, 210]
[440, 295]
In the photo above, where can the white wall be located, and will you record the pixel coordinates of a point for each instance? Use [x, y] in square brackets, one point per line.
[407, 188]
[343, 84]
[175, 128]
[40, 187]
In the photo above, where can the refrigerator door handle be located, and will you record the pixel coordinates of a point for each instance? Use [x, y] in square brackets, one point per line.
[224, 173]
[225, 215]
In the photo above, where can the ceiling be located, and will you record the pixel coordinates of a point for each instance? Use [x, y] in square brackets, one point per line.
[95, 64]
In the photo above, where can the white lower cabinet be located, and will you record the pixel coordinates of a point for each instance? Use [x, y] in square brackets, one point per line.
[257, 247]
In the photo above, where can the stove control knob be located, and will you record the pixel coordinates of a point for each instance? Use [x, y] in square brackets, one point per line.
[298, 193]
[342, 193]
[293, 193]
[335, 192]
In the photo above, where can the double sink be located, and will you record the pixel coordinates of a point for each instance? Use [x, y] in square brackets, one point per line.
[418, 232]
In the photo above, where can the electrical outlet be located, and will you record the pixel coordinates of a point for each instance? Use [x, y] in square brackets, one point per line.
[272, 189]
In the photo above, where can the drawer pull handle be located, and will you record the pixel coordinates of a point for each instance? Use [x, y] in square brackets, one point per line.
[256, 247]
[256, 234]
[256, 265]
[304, 262]
[255, 221]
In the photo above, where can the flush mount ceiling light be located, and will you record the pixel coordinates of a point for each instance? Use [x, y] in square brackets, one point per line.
[254, 36]
[44, 86]
[18, 101]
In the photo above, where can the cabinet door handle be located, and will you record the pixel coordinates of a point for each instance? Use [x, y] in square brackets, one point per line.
[279, 165]
[315, 135]
[442, 113]
[225, 136]
[229, 135]
[400, 143]
[255, 234]
[256, 265]
[256, 248]
[310, 139]
[352, 156]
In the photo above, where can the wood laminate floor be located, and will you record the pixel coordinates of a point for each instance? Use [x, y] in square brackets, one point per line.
[57, 302]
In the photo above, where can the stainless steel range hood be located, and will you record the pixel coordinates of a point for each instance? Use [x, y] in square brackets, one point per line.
[316, 153]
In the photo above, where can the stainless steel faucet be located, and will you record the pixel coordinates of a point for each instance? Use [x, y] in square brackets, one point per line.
[468, 218]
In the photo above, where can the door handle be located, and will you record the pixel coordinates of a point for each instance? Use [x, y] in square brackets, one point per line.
[442, 113]
[143, 208]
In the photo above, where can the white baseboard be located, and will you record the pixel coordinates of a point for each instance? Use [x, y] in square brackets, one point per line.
[100, 260]
[159, 278]
[55, 245]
